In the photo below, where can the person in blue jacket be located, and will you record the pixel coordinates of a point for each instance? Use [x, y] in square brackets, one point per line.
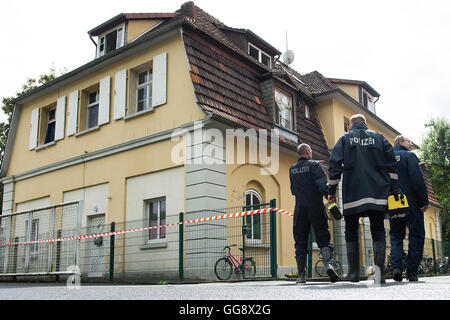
[365, 160]
[412, 184]
[309, 186]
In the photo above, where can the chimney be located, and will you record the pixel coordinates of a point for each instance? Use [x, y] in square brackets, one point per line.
[188, 9]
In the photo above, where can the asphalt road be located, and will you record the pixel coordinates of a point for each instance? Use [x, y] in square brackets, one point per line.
[432, 288]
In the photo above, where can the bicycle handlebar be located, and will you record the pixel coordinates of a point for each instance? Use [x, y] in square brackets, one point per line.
[229, 247]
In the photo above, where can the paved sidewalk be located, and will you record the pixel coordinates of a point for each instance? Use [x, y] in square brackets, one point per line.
[433, 288]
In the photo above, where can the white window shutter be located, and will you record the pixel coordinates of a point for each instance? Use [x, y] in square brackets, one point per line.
[104, 100]
[72, 117]
[120, 94]
[159, 92]
[60, 118]
[34, 128]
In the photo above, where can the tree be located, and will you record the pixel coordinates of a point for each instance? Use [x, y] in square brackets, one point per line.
[7, 108]
[436, 154]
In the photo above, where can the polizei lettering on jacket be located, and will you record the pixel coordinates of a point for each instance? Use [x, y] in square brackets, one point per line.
[298, 170]
[363, 142]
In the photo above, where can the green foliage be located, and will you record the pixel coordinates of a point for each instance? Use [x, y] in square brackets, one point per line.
[7, 107]
[436, 154]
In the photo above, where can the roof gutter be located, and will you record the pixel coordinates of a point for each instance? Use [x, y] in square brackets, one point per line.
[10, 140]
[358, 107]
[102, 62]
[150, 40]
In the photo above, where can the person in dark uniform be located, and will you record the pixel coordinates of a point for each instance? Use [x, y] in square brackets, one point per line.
[412, 184]
[366, 160]
[309, 186]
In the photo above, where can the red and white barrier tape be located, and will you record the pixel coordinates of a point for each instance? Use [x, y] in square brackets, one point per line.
[111, 233]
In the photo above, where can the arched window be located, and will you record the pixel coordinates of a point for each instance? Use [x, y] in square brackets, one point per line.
[252, 201]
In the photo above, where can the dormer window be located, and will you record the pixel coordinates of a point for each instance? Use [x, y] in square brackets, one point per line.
[283, 110]
[111, 40]
[259, 55]
[368, 101]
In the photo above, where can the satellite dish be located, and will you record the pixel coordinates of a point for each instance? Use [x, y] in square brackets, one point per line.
[288, 57]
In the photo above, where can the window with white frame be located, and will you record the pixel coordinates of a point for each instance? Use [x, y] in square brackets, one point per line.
[368, 101]
[51, 123]
[92, 110]
[254, 221]
[307, 111]
[283, 114]
[111, 40]
[156, 216]
[144, 90]
[259, 55]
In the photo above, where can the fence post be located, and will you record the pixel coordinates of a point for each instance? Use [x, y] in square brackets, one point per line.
[8, 239]
[181, 247]
[111, 251]
[273, 240]
[434, 257]
[51, 244]
[28, 238]
[78, 242]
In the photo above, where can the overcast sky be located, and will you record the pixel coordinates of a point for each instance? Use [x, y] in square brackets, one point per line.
[401, 48]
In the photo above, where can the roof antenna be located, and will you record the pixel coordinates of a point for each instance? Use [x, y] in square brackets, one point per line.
[288, 56]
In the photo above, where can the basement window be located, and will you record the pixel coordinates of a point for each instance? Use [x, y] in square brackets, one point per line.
[156, 215]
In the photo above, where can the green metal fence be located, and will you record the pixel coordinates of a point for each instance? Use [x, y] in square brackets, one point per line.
[190, 250]
[182, 250]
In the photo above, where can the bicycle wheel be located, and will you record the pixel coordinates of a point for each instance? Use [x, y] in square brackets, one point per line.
[223, 269]
[250, 268]
[320, 269]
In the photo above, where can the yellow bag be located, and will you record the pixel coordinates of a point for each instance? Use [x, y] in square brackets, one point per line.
[398, 206]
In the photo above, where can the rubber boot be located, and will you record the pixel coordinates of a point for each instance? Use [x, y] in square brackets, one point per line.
[379, 252]
[353, 262]
[397, 274]
[326, 254]
[301, 268]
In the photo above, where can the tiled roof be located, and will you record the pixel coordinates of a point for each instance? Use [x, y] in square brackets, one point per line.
[224, 85]
[317, 83]
[227, 81]
[431, 195]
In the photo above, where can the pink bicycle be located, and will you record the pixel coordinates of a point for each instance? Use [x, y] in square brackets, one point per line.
[224, 266]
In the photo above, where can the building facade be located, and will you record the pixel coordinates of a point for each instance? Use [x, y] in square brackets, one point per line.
[163, 119]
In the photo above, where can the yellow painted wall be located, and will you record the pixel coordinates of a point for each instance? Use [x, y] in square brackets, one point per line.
[241, 177]
[180, 108]
[332, 113]
[113, 169]
[137, 27]
[351, 89]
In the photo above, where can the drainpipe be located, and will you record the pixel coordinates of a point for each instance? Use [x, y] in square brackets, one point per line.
[95, 43]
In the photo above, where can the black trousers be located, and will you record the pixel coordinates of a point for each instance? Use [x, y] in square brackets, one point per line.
[376, 219]
[305, 216]
[415, 223]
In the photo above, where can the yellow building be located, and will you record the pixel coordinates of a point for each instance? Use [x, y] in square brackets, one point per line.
[165, 120]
